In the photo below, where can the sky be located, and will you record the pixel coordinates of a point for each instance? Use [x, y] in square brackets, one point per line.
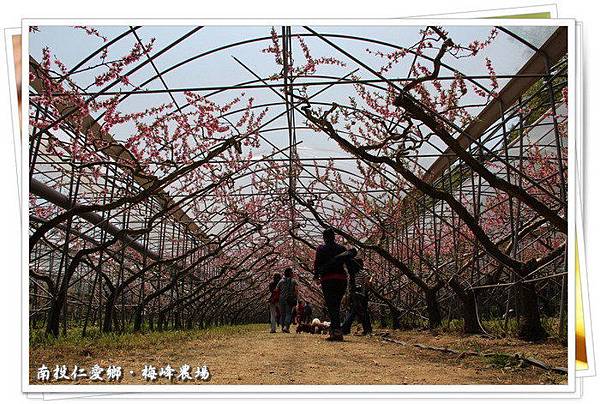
[220, 69]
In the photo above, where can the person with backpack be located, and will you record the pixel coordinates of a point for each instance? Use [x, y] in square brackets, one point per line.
[329, 272]
[358, 292]
[288, 295]
[274, 313]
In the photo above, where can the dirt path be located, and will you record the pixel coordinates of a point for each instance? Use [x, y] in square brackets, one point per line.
[251, 355]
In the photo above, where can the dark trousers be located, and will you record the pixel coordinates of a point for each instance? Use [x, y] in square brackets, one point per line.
[286, 314]
[359, 307]
[308, 315]
[333, 292]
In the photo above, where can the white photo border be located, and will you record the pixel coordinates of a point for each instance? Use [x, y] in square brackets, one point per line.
[368, 389]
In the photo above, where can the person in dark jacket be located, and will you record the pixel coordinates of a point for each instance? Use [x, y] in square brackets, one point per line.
[359, 297]
[274, 302]
[308, 313]
[288, 297]
[329, 272]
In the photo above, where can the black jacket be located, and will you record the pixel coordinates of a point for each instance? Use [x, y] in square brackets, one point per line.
[330, 259]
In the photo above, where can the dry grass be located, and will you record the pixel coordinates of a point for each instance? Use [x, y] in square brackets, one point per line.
[251, 355]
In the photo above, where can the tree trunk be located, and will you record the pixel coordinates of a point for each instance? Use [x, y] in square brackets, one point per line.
[53, 323]
[433, 308]
[137, 323]
[531, 327]
[469, 312]
[468, 307]
[109, 310]
[395, 321]
[161, 322]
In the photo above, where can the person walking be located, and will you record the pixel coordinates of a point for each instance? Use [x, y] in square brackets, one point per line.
[288, 294]
[359, 283]
[308, 313]
[329, 272]
[274, 302]
[300, 312]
